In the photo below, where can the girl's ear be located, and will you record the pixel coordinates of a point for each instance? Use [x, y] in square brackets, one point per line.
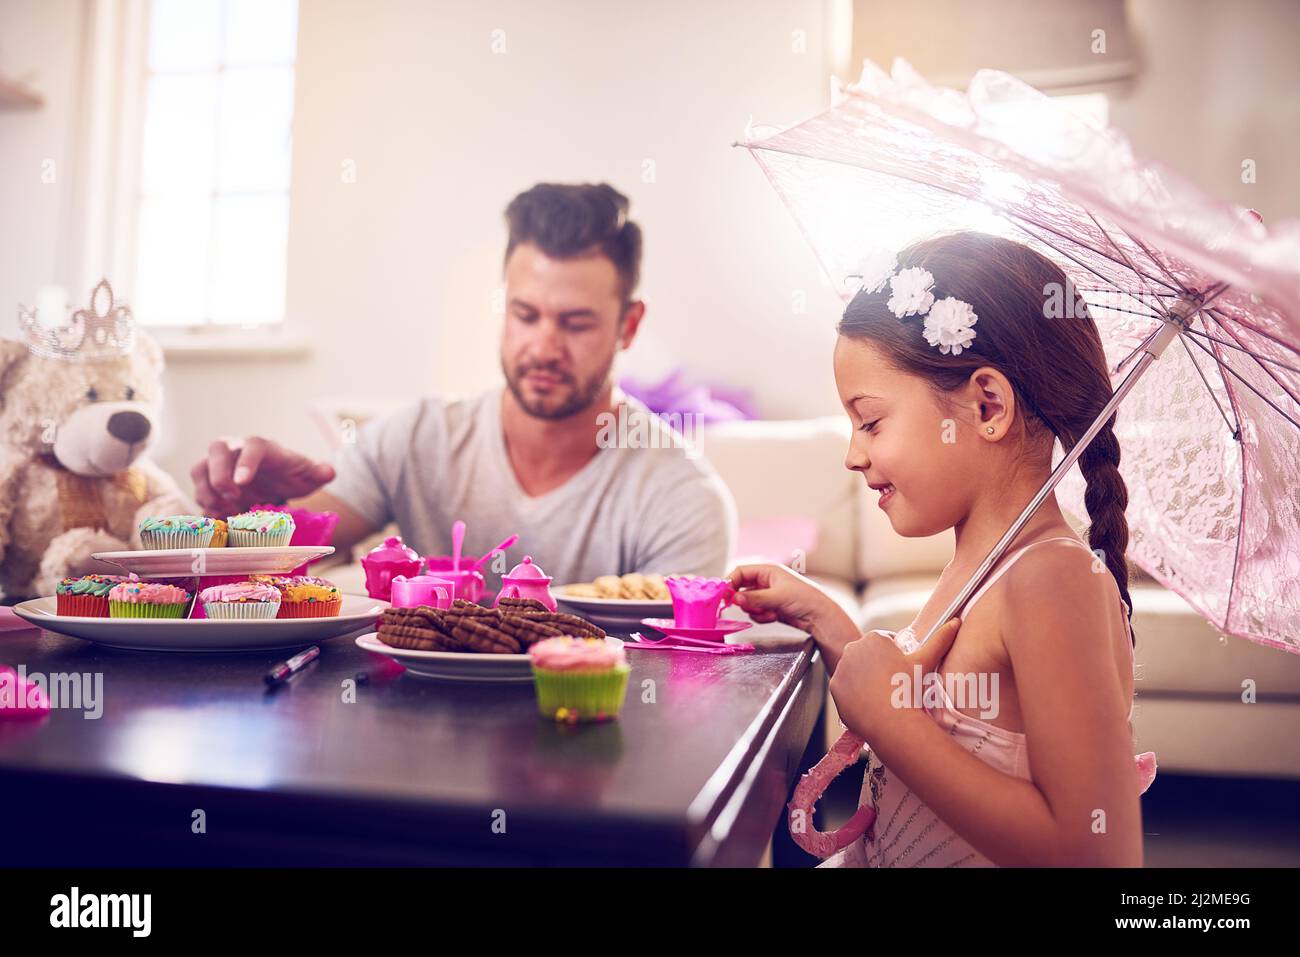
[995, 402]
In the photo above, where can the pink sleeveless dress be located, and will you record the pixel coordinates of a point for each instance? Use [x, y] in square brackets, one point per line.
[906, 833]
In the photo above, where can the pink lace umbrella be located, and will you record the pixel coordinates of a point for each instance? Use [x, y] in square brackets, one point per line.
[1193, 296]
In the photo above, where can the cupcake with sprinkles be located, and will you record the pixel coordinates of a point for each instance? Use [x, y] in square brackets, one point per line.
[260, 527]
[85, 597]
[579, 679]
[243, 600]
[176, 531]
[134, 598]
[304, 596]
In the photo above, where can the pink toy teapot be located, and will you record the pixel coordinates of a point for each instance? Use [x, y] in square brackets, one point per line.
[386, 561]
[527, 580]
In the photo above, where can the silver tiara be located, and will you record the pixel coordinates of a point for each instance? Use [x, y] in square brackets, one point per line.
[106, 330]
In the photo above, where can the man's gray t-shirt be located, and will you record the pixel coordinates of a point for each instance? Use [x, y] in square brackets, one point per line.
[650, 504]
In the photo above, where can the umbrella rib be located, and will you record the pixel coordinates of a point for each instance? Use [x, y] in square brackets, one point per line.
[1168, 294]
[1154, 258]
[1135, 296]
[1114, 285]
[1245, 485]
[1125, 361]
[1240, 348]
[1224, 319]
[1224, 367]
[1258, 361]
[1129, 262]
[1235, 430]
[1016, 219]
[1130, 312]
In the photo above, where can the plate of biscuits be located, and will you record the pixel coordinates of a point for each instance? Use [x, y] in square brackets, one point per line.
[618, 602]
[468, 642]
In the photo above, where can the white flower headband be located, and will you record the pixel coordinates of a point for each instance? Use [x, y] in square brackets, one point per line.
[948, 322]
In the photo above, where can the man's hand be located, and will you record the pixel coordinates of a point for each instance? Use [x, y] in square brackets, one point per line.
[239, 473]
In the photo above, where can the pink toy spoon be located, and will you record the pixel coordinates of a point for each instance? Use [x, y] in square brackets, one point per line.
[703, 643]
[644, 644]
[486, 555]
[457, 540]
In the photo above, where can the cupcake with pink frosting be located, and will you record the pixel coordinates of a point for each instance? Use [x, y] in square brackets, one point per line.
[139, 599]
[579, 679]
[244, 600]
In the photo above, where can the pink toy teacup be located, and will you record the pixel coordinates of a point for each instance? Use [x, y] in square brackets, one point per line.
[422, 590]
[697, 601]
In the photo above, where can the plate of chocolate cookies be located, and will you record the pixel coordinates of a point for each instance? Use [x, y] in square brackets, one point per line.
[468, 642]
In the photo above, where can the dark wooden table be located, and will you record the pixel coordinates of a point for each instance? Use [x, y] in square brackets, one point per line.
[696, 772]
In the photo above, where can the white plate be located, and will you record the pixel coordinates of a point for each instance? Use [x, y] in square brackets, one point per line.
[457, 665]
[204, 634]
[454, 665]
[619, 614]
[182, 562]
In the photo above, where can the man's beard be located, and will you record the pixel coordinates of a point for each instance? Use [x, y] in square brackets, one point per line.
[576, 397]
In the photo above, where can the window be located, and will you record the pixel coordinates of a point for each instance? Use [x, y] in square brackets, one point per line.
[212, 201]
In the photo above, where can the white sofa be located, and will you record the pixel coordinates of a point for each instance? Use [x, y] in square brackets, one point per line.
[1190, 679]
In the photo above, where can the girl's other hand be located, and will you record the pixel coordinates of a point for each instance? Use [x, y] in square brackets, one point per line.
[864, 682]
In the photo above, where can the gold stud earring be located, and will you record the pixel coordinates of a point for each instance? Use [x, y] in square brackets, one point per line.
[988, 429]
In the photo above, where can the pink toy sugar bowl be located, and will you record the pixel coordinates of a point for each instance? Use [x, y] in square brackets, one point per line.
[384, 562]
[527, 580]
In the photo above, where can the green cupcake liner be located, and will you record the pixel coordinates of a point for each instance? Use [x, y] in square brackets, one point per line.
[175, 538]
[584, 695]
[245, 538]
[244, 610]
[135, 609]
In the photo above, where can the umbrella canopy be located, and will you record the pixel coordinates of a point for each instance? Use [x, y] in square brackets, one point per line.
[1211, 433]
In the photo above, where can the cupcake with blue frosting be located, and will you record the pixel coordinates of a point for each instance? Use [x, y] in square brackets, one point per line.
[176, 531]
[260, 527]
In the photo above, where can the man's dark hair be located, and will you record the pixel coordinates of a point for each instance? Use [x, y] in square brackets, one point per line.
[565, 220]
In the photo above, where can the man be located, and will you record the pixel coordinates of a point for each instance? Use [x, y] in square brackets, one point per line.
[532, 458]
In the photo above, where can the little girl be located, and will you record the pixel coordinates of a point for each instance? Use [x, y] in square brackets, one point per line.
[958, 371]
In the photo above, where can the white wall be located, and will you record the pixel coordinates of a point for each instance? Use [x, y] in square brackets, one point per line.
[40, 45]
[1221, 84]
[393, 275]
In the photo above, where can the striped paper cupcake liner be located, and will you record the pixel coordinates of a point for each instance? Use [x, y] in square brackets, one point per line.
[243, 610]
[175, 538]
[248, 538]
[310, 609]
[135, 609]
[82, 606]
[581, 695]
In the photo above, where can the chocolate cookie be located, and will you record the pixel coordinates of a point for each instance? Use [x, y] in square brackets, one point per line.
[509, 605]
[528, 631]
[483, 637]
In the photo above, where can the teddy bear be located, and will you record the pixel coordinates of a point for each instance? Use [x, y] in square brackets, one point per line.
[79, 410]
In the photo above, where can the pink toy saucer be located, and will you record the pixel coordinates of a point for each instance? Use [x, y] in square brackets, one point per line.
[724, 627]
